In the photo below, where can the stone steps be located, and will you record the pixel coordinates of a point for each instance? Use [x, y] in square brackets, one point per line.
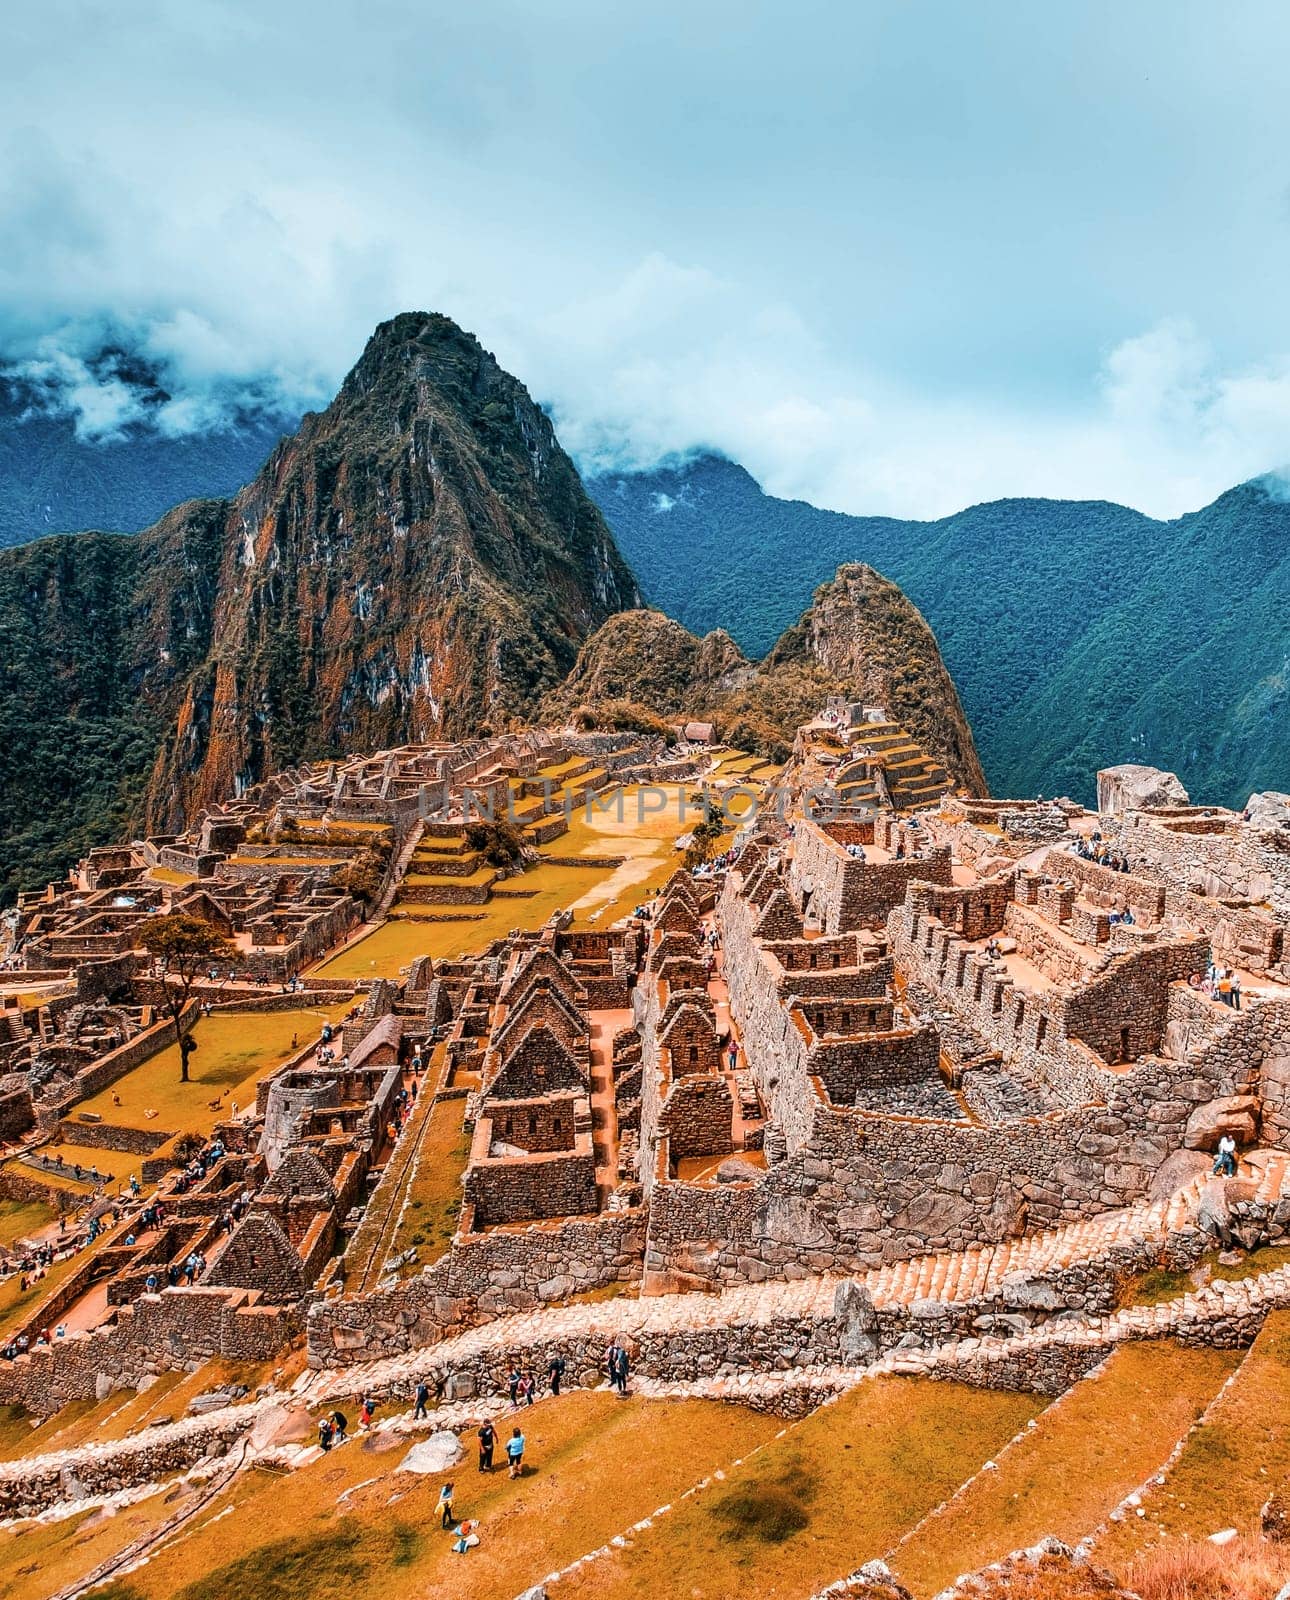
[947, 1278]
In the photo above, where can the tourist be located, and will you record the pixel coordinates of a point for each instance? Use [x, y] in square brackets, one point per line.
[528, 1388]
[324, 1433]
[366, 1412]
[340, 1423]
[1235, 991]
[1225, 987]
[513, 1383]
[446, 1518]
[620, 1370]
[487, 1437]
[422, 1400]
[734, 1054]
[467, 1538]
[555, 1372]
[515, 1453]
[1225, 1161]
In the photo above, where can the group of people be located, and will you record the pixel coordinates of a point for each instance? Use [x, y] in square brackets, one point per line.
[1095, 848]
[333, 1428]
[1219, 983]
[196, 1169]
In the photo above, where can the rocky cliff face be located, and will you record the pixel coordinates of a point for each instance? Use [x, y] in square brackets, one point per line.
[861, 637]
[418, 560]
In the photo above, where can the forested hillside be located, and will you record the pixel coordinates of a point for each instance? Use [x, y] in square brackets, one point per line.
[1079, 633]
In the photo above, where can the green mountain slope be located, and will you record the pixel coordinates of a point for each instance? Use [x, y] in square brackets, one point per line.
[53, 482]
[1079, 633]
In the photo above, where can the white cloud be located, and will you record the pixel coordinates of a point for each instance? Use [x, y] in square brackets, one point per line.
[882, 257]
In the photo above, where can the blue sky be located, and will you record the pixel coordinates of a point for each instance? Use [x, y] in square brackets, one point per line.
[896, 256]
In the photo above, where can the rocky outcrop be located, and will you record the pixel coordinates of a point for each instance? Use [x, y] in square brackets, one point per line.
[645, 657]
[861, 638]
[1132, 787]
[1269, 811]
[874, 645]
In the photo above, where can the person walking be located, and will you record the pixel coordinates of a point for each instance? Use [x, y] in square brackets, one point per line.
[513, 1379]
[555, 1373]
[620, 1370]
[324, 1433]
[340, 1425]
[366, 1412]
[515, 1453]
[527, 1386]
[446, 1518]
[611, 1363]
[422, 1400]
[1225, 1161]
[487, 1437]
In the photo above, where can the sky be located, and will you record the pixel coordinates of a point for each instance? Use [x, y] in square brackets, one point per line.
[895, 256]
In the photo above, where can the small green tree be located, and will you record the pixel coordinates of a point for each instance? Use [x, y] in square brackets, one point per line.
[500, 842]
[182, 947]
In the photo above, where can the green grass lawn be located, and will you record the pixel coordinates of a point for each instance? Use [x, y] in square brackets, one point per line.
[21, 1218]
[434, 1199]
[234, 1050]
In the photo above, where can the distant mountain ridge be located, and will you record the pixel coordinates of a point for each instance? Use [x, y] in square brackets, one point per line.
[53, 482]
[1079, 633]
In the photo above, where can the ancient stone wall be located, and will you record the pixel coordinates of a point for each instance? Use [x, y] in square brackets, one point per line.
[483, 1276]
[698, 1117]
[853, 1067]
[157, 1333]
[842, 893]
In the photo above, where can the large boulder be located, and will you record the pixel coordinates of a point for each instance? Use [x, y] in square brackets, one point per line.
[853, 1310]
[1131, 787]
[441, 1452]
[1268, 810]
[1234, 1114]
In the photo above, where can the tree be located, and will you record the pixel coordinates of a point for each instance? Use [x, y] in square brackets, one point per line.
[183, 947]
[499, 842]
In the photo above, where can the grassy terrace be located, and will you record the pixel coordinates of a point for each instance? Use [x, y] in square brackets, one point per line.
[122, 1414]
[598, 895]
[16, 1306]
[235, 1050]
[434, 1194]
[19, 1219]
[1228, 1466]
[294, 1539]
[1065, 1475]
[1162, 1284]
[839, 1487]
[118, 1164]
